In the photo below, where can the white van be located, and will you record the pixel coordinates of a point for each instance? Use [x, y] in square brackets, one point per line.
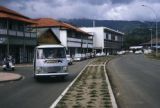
[50, 60]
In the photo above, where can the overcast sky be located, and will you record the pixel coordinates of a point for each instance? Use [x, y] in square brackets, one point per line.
[92, 9]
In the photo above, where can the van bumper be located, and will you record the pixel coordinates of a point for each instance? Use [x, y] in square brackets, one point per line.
[50, 74]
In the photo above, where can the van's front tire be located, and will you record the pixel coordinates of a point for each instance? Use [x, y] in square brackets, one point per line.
[36, 78]
[12, 69]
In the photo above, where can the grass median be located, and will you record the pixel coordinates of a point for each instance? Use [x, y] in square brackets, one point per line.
[153, 56]
[90, 90]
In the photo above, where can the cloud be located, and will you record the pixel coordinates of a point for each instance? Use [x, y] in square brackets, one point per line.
[134, 11]
[91, 2]
[97, 9]
[121, 1]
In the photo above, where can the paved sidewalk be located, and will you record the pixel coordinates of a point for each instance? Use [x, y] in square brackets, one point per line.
[6, 76]
[10, 76]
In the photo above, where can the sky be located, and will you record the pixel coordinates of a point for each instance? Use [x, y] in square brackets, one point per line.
[129, 10]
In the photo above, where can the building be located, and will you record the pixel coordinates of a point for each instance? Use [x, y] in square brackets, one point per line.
[74, 39]
[15, 38]
[105, 40]
[152, 44]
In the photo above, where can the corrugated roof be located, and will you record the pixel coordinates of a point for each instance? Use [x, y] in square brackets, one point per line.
[10, 14]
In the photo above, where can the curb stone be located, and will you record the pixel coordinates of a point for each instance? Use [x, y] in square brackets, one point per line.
[113, 100]
[66, 90]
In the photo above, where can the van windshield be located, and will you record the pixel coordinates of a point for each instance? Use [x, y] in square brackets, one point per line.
[50, 53]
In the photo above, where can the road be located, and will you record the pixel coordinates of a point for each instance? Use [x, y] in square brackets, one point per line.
[28, 93]
[136, 81]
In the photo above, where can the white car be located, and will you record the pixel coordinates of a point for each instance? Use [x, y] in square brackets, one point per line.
[69, 59]
[138, 52]
[120, 52]
[77, 57]
[100, 54]
[147, 51]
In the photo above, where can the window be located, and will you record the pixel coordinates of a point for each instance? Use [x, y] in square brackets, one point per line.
[109, 37]
[50, 53]
[116, 38]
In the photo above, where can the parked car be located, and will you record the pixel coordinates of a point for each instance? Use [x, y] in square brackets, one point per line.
[147, 51]
[100, 54]
[69, 59]
[77, 57]
[138, 52]
[83, 56]
[130, 51]
[121, 52]
[88, 55]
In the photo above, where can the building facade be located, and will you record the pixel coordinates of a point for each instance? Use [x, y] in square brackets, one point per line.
[15, 38]
[105, 40]
[152, 44]
[74, 39]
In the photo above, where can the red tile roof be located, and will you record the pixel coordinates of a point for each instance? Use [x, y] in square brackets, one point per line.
[46, 22]
[49, 22]
[10, 14]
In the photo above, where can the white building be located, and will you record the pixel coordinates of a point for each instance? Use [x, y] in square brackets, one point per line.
[105, 39]
[74, 39]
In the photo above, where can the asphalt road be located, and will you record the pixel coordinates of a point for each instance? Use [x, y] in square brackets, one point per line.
[28, 93]
[136, 81]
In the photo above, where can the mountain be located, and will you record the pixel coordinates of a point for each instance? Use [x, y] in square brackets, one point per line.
[124, 26]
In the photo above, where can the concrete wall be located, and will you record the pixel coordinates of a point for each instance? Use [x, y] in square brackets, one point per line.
[63, 37]
[98, 38]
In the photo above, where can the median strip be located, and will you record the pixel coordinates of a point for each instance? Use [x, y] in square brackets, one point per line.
[89, 89]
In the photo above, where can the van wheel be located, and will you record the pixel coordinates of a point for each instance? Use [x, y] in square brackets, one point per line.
[35, 77]
[63, 78]
[12, 69]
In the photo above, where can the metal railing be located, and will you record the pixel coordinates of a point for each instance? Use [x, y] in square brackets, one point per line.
[17, 33]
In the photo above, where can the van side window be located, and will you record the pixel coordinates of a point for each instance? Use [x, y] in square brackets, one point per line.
[40, 54]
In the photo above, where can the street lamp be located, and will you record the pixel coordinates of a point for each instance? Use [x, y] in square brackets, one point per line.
[151, 36]
[156, 27]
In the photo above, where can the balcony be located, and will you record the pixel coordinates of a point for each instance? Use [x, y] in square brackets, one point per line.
[17, 33]
[74, 40]
[3, 31]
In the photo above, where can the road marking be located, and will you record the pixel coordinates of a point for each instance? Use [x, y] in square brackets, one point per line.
[95, 65]
[113, 100]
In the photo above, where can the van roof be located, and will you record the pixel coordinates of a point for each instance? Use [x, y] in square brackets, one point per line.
[50, 46]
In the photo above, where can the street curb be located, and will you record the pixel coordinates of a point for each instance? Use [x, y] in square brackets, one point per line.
[65, 91]
[13, 79]
[113, 100]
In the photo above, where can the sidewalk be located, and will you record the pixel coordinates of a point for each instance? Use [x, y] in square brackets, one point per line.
[6, 76]
[11, 76]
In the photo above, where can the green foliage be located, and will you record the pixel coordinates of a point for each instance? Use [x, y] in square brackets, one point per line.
[138, 36]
